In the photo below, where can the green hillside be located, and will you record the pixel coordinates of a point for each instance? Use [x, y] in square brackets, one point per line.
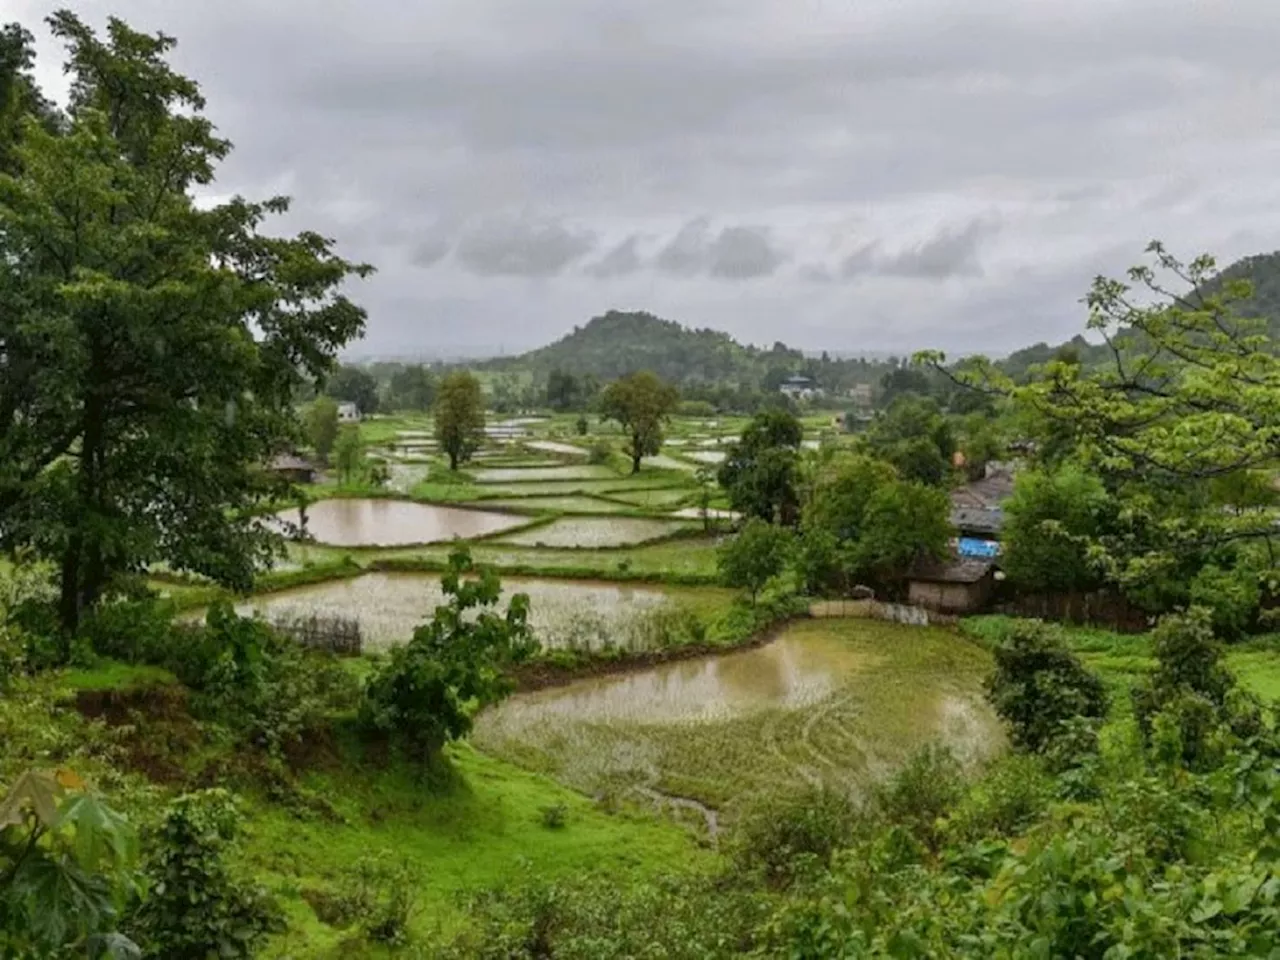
[1262, 270]
[616, 343]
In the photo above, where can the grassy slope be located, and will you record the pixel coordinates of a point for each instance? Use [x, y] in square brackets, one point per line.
[484, 830]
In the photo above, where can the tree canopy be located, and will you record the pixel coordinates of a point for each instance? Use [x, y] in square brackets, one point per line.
[641, 403]
[152, 345]
[459, 417]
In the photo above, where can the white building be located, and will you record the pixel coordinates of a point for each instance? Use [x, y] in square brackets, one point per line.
[348, 412]
[800, 388]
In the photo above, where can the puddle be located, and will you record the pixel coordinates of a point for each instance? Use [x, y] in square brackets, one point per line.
[389, 523]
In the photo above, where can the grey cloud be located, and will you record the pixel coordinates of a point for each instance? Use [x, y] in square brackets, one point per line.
[685, 254]
[735, 253]
[620, 261]
[790, 128]
[949, 253]
[740, 253]
[521, 246]
[429, 251]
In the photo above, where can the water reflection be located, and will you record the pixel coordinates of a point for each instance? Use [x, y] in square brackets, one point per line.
[386, 523]
[789, 673]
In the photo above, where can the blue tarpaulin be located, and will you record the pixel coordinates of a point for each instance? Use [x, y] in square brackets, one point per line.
[971, 547]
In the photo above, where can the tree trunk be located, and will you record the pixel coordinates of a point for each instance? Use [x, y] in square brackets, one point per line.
[453, 461]
[69, 585]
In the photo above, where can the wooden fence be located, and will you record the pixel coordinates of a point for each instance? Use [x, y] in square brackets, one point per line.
[337, 635]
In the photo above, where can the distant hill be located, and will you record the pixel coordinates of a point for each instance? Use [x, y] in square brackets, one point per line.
[616, 344]
[1262, 270]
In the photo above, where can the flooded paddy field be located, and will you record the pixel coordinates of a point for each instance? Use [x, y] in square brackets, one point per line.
[565, 504]
[534, 474]
[564, 613]
[388, 523]
[593, 532]
[842, 702]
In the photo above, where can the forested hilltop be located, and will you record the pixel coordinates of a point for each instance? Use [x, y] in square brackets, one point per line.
[1261, 271]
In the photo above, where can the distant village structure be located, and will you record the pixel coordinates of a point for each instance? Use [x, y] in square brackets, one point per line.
[800, 388]
[964, 583]
[348, 412]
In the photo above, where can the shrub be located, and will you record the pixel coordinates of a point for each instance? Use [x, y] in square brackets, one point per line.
[136, 631]
[375, 896]
[429, 689]
[1189, 703]
[786, 836]
[1232, 598]
[1038, 684]
[554, 816]
[599, 452]
[922, 793]
[1007, 800]
[196, 906]
[755, 556]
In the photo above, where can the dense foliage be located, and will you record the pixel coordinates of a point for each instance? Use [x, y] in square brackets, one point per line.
[459, 417]
[761, 470]
[429, 689]
[153, 345]
[641, 403]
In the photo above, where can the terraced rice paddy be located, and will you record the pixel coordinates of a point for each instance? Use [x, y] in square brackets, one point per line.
[555, 446]
[387, 523]
[654, 499]
[836, 701]
[569, 504]
[664, 462]
[534, 474]
[564, 613]
[593, 532]
[707, 456]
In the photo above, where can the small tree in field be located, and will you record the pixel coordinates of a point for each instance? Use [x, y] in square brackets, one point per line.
[755, 556]
[322, 426]
[349, 453]
[641, 403]
[459, 414]
[430, 688]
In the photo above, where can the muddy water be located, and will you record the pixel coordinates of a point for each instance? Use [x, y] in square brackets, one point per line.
[836, 702]
[790, 673]
[390, 605]
[388, 523]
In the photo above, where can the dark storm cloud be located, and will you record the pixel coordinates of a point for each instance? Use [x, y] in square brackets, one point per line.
[726, 141]
[521, 246]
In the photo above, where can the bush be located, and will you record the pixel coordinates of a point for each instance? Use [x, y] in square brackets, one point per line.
[1232, 598]
[787, 836]
[600, 452]
[922, 793]
[375, 896]
[554, 816]
[1038, 685]
[1189, 704]
[755, 556]
[195, 905]
[429, 689]
[1006, 801]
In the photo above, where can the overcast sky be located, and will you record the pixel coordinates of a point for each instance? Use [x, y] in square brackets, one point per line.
[843, 174]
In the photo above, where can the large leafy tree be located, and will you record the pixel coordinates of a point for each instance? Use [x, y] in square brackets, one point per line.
[1051, 520]
[914, 435]
[761, 471]
[642, 403]
[1175, 415]
[152, 346]
[459, 417]
[354, 385]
